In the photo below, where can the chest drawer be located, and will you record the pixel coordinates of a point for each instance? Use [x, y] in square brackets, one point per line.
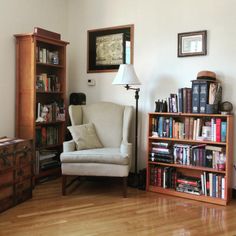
[6, 157]
[23, 173]
[6, 178]
[23, 153]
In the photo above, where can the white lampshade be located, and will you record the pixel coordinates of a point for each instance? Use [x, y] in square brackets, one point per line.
[126, 75]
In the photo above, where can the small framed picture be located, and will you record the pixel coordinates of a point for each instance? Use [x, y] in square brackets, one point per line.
[109, 47]
[192, 43]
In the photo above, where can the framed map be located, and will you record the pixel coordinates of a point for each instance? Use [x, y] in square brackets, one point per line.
[109, 47]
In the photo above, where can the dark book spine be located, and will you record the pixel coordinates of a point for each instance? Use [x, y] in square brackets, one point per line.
[203, 96]
[180, 99]
[184, 100]
[189, 100]
[195, 97]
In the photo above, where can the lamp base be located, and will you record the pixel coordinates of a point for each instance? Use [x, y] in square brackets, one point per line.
[133, 180]
[137, 180]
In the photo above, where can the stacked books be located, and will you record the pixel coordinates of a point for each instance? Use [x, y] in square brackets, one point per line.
[161, 152]
[188, 184]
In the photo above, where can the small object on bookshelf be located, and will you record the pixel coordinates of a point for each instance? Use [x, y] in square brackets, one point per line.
[161, 106]
[47, 33]
[226, 108]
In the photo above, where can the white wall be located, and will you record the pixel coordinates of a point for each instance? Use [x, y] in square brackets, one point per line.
[161, 72]
[21, 17]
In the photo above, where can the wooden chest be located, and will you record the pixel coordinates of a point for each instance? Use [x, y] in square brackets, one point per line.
[16, 171]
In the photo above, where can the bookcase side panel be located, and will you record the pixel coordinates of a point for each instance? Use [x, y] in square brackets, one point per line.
[25, 89]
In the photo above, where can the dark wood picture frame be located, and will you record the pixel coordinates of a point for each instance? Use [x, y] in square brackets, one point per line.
[107, 48]
[192, 43]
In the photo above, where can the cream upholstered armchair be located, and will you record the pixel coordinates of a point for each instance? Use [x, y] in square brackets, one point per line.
[110, 154]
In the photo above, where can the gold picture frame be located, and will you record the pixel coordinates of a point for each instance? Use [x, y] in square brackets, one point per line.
[109, 47]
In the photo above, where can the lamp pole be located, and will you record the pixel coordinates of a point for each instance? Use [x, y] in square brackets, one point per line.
[135, 181]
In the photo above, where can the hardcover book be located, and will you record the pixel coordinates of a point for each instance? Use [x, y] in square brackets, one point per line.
[195, 96]
[204, 87]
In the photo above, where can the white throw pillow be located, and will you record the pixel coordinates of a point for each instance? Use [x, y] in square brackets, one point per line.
[85, 136]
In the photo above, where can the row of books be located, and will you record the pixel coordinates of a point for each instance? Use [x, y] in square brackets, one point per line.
[43, 55]
[208, 184]
[205, 92]
[46, 159]
[50, 112]
[47, 83]
[195, 99]
[181, 102]
[164, 177]
[47, 136]
[213, 185]
[190, 128]
[200, 155]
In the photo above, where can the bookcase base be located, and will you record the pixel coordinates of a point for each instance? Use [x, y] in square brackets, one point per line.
[174, 193]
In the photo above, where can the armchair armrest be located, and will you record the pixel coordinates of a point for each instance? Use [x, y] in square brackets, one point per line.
[126, 148]
[69, 146]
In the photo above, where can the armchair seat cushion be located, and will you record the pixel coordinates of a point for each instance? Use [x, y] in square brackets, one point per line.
[97, 155]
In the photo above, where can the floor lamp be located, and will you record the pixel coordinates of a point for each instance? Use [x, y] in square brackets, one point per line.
[126, 76]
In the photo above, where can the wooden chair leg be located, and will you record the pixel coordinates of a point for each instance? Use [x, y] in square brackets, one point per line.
[125, 187]
[63, 185]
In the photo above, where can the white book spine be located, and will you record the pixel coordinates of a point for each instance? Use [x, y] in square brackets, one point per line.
[211, 184]
[223, 188]
[202, 184]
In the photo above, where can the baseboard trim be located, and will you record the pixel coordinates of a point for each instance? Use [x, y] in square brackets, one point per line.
[234, 193]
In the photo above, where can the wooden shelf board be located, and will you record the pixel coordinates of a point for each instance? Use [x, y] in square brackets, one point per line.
[179, 114]
[49, 65]
[200, 168]
[202, 198]
[187, 140]
[49, 123]
[48, 92]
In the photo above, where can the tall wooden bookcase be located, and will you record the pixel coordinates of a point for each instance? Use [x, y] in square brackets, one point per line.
[189, 169]
[41, 58]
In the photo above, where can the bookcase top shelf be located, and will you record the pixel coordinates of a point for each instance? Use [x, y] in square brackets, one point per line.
[179, 114]
[187, 140]
[48, 92]
[201, 168]
[42, 38]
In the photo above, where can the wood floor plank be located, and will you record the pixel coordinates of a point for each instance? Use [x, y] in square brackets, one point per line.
[98, 209]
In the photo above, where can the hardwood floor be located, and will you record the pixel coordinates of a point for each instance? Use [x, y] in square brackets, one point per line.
[96, 208]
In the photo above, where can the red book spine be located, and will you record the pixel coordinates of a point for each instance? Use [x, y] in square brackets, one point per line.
[159, 178]
[218, 130]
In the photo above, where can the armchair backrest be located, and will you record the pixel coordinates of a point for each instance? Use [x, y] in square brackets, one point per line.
[112, 121]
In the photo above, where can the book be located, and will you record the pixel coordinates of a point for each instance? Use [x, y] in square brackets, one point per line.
[214, 148]
[218, 129]
[180, 99]
[223, 131]
[195, 96]
[203, 99]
